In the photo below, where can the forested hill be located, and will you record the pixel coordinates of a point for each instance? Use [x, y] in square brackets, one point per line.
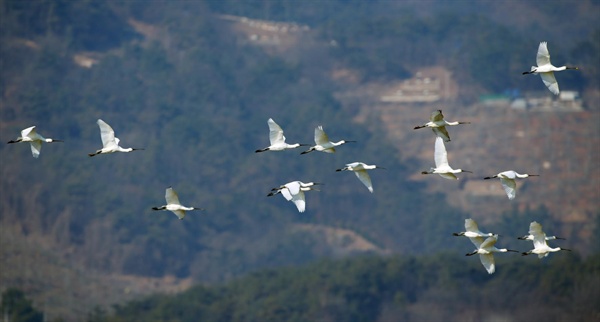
[179, 80]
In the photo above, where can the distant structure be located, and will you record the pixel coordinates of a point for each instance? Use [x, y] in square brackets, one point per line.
[427, 86]
[567, 101]
[265, 32]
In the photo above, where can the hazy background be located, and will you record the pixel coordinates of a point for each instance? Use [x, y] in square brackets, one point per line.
[194, 82]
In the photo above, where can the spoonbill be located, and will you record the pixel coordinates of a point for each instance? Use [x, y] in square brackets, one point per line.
[322, 142]
[35, 140]
[472, 230]
[438, 125]
[546, 69]
[536, 229]
[110, 143]
[486, 250]
[508, 181]
[294, 191]
[441, 162]
[540, 246]
[360, 169]
[174, 205]
[277, 139]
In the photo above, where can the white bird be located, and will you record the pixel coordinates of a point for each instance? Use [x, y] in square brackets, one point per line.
[486, 250]
[360, 169]
[540, 246]
[508, 181]
[536, 229]
[472, 230]
[277, 139]
[546, 69]
[174, 205]
[438, 125]
[294, 191]
[322, 142]
[110, 143]
[30, 135]
[441, 162]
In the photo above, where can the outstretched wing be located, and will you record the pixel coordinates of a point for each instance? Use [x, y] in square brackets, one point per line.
[179, 213]
[440, 155]
[106, 134]
[489, 242]
[171, 197]
[436, 116]
[550, 82]
[275, 133]
[510, 187]
[320, 136]
[298, 200]
[488, 262]
[543, 55]
[28, 131]
[36, 148]
[363, 176]
[477, 241]
[539, 237]
[441, 132]
[471, 225]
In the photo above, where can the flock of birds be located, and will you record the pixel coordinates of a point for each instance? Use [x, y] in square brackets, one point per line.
[486, 249]
[294, 191]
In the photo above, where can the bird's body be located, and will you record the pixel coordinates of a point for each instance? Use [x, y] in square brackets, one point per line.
[545, 69]
[438, 124]
[35, 140]
[174, 205]
[277, 139]
[294, 191]
[540, 246]
[508, 181]
[441, 162]
[486, 250]
[322, 142]
[110, 143]
[360, 169]
[472, 230]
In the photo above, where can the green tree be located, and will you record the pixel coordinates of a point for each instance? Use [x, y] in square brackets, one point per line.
[18, 308]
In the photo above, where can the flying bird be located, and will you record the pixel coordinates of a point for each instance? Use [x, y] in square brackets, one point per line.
[360, 169]
[540, 246]
[472, 230]
[294, 191]
[486, 250]
[438, 125]
[546, 69]
[35, 140]
[508, 181]
[277, 139]
[322, 142]
[110, 143]
[441, 162]
[174, 205]
[536, 229]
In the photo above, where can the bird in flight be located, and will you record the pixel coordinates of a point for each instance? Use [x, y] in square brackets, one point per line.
[110, 143]
[360, 170]
[507, 178]
[174, 205]
[322, 142]
[35, 140]
[545, 69]
[438, 125]
[540, 245]
[294, 191]
[441, 162]
[277, 139]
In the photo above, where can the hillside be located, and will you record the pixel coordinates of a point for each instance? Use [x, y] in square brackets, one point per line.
[194, 83]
